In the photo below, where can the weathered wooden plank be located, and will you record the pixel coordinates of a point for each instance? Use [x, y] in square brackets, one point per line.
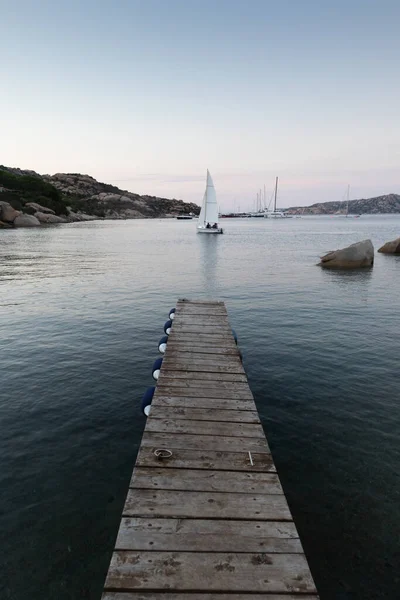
[208, 459]
[191, 571]
[180, 535]
[238, 387]
[202, 366]
[204, 349]
[200, 314]
[210, 318]
[188, 391]
[209, 339]
[198, 310]
[191, 302]
[161, 410]
[221, 329]
[213, 323]
[187, 351]
[187, 337]
[203, 404]
[191, 316]
[217, 378]
[194, 358]
[199, 306]
[202, 596]
[178, 426]
[206, 505]
[185, 441]
[204, 481]
[210, 321]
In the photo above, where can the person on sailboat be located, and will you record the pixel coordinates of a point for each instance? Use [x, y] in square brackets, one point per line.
[208, 226]
[215, 226]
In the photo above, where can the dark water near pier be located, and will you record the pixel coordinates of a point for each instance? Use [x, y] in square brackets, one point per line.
[81, 311]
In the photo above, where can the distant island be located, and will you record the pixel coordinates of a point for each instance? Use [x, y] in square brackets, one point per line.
[27, 197]
[390, 203]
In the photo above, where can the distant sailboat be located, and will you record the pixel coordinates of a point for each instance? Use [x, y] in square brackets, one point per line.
[276, 214]
[208, 218]
[346, 213]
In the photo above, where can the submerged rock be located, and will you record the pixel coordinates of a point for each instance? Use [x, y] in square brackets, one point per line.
[4, 225]
[392, 247]
[26, 221]
[8, 213]
[358, 255]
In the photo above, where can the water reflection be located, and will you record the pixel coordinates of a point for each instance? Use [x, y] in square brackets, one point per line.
[209, 245]
[347, 276]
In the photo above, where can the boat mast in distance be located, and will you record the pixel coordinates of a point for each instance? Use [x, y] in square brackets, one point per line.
[276, 214]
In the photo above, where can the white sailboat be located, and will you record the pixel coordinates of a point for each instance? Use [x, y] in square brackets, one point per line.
[208, 218]
[276, 214]
[339, 213]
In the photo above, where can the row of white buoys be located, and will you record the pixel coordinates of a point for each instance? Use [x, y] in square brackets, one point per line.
[147, 399]
[162, 346]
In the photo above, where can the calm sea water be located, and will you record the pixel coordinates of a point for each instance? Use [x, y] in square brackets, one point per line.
[81, 311]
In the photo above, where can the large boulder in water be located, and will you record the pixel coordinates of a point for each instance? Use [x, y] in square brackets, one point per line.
[358, 255]
[8, 213]
[49, 218]
[392, 247]
[26, 221]
[39, 208]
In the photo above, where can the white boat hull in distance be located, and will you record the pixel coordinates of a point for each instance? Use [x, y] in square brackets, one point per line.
[277, 214]
[209, 230]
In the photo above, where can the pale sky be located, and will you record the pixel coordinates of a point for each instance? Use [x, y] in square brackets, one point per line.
[148, 94]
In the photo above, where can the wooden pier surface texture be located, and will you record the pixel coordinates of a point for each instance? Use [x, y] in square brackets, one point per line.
[211, 522]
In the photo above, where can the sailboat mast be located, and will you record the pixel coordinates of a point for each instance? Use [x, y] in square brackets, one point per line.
[348, 196]
[276, 193]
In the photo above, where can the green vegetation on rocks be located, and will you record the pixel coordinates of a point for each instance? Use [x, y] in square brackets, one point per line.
[80, 197]
[21, 189]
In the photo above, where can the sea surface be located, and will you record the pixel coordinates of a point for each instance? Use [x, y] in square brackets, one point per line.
[82, 307]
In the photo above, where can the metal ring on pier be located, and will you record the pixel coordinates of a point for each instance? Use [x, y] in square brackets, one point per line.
[161, 453]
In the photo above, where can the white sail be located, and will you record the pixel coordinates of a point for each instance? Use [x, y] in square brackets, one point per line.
[208, 218]
[211, 215]
[202, 215]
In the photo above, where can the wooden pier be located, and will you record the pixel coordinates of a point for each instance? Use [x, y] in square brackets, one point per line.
[210, 521]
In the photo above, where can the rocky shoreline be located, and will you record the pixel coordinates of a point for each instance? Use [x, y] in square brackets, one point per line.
[41, 215]
[387, 204]
[28, 199]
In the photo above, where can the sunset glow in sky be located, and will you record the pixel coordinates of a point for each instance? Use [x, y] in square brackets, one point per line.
[148, 94]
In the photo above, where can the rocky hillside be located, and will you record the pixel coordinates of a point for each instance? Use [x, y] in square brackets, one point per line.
[75, 197]
[381, 204]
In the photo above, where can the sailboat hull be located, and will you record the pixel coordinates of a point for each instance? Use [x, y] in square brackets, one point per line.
[277, 215]
[210, 230]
